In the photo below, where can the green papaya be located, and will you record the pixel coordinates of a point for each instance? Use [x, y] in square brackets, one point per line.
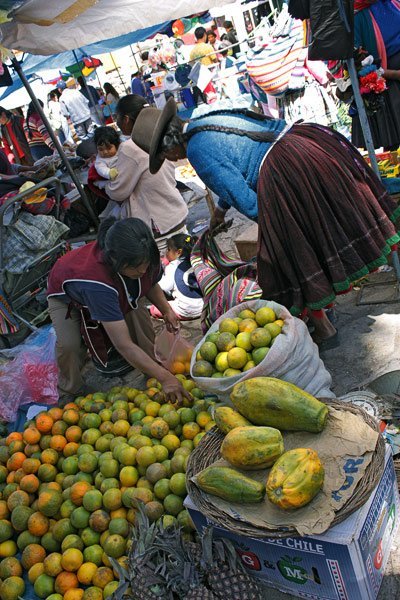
[276, 403]
[227, 419]
[252, 448]
[230, 485]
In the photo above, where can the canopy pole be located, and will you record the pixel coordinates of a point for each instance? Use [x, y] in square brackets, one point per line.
[92, 99]
[362, 115]
[134, 58]
[55, 140]
[119, 74]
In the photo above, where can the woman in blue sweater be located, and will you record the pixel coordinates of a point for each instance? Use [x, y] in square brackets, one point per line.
[325, 219]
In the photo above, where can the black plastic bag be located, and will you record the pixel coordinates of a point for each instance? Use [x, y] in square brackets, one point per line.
[332, 29]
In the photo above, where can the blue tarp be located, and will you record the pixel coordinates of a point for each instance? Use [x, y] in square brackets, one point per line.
[34, 63]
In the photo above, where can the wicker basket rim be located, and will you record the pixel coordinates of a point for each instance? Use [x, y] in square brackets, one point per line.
[208, 451]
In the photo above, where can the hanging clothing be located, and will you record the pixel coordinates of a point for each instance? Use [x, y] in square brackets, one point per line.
[377, 30]
[14, 141]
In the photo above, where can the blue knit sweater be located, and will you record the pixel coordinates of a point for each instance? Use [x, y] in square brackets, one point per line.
[228, 163]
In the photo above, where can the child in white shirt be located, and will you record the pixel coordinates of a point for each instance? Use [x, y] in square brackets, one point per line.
[107, 141]
[179, 279]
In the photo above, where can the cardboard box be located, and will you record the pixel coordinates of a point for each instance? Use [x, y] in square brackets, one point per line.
[345, 563]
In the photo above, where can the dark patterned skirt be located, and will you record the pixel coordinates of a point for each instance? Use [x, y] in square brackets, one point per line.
[325, 219]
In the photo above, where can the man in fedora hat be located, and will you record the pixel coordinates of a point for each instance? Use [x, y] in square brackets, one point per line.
[75, 107]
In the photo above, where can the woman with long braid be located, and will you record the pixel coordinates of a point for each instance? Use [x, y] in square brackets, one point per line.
[325, 219]
[39, 140]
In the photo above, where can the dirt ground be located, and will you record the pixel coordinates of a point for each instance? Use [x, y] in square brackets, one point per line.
[369, 337]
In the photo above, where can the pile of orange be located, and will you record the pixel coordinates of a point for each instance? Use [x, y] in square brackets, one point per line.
[71, 482]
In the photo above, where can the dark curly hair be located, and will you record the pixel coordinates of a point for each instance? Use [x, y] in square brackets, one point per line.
[106, 136]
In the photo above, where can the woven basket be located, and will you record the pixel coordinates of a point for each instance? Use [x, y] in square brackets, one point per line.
[208, 451]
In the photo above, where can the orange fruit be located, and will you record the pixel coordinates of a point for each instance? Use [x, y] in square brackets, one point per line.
[65, 581]
[73, 433]
[71, 416]
[86, 572]
[31, 435]
[12, 588]
[16, 461]
[56, 413]
[49, 456]
[49, 502]
[34, 572]
[31, 465]
[18, 475]
[18, 498]
[93, 593]
[190, 430]
[59, 428]
[38, 524]
[70, 449]
[112, 499]
[52, 564]
[74, 594]
[15, 435]
[8, 548]
[32, 554]
[29, 483]
[4, 511]
[58, 442]
[178, 367]
[114, 546]
[44, 423]
[44, 586]
[102, 576]
[78, 490]
[47, 473]
[10, 567]
[71, 559]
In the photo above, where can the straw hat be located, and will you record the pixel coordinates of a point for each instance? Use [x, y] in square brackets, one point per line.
[149, 129]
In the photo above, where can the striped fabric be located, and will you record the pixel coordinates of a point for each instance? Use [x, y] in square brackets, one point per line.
[223, 280]
[272, 67]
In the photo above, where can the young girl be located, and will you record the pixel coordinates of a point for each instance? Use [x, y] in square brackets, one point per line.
[107, 142]
[179, 280]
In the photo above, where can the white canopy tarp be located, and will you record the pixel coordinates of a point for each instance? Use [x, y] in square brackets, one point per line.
[43, 27]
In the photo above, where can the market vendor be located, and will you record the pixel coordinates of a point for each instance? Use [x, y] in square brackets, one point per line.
[96, 302]
[324, 217]
[154, 199]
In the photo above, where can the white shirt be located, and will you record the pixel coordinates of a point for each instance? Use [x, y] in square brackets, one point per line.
[185, 307]
[74, 105]
[103, 165]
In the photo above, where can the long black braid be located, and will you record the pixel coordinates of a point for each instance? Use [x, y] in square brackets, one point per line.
[174, 135]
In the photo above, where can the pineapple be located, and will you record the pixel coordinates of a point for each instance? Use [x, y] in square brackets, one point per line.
[226, 576]
[145, 562]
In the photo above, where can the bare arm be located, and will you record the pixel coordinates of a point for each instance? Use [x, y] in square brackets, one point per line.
[157, 297]
[118, 333]
[391, 74]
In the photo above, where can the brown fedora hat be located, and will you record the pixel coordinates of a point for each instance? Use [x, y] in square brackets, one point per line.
[149, 129]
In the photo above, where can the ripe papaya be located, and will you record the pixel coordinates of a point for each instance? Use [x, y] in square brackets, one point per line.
[276, 403]
[228, 484]
[227, 419]
[296, 477]
[251, 448]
